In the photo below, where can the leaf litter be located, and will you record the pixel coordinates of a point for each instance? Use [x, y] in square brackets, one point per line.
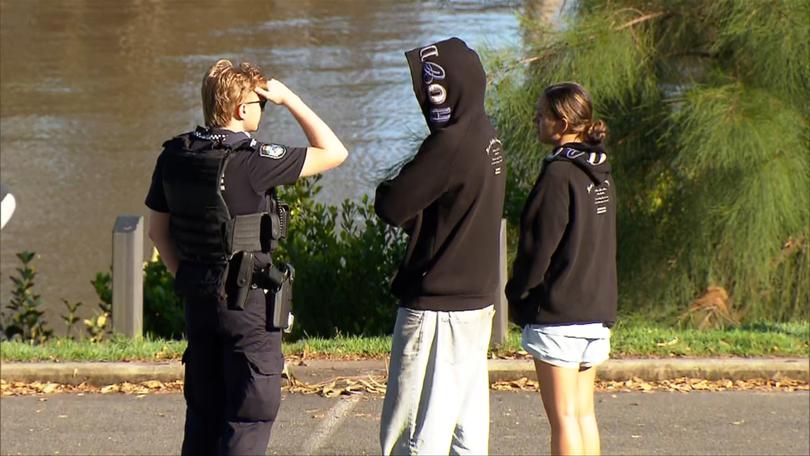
[375, 384]
[681, 384]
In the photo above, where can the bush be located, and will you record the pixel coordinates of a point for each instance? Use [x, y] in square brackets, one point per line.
[344, 260]
[25, 321]
[163, 314]
[162, 309]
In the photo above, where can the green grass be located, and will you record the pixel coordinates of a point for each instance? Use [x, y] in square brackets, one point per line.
[115, 349]
[631, 338]
[340, 347]
[783, 339]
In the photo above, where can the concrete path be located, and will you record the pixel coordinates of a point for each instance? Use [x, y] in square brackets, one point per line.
[736, 422]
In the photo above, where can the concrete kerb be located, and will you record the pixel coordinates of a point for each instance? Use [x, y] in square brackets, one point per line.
[98, 373]
[316, 371]
[651, 369]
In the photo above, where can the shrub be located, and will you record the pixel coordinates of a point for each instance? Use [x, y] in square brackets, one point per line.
[25, 321]
[70, 317]
[98, 326]
[344, 260]
[162, 309]
[163, 315]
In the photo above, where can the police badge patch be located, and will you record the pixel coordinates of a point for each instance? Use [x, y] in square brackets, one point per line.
[274, 151]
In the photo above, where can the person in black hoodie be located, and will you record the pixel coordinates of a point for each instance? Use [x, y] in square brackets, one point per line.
[563, 289]
[449, 199]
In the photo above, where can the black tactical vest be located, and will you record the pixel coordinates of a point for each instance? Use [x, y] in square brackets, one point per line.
[201, 225]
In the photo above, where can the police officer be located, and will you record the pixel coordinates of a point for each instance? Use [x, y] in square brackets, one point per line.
[213, 207]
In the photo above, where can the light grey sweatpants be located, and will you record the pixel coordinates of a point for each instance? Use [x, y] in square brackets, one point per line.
[437, 400]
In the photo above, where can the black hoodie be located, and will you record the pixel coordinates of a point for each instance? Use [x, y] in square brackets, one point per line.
[449, 198]
[565, 269]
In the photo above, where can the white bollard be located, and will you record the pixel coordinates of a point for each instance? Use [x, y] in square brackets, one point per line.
[127, 276]
[500, 322]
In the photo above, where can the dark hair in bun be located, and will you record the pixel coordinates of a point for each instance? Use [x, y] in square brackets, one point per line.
[569, 102]
[596, 132]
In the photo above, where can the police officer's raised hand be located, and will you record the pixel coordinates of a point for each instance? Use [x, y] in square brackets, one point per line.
[325, 151]
[276, 92]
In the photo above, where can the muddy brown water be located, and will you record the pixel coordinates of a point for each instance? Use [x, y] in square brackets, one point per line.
[90, 89]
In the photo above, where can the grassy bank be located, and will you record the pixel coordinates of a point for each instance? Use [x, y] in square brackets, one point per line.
[630, 339]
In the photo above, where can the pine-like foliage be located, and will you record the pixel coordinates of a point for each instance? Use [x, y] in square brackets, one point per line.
[708, 105]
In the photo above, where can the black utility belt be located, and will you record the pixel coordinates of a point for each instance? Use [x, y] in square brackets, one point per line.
[258, 232]
[278, 279]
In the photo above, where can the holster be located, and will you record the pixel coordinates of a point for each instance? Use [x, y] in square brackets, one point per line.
[239, 280]
[279, 280]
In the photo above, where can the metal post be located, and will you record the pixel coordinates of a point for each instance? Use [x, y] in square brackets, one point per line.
[127, 276]
[500, 322]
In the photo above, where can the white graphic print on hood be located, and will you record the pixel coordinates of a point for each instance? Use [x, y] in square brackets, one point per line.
[449, 82]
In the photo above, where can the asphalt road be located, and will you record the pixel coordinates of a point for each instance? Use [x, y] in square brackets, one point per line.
[737, 422]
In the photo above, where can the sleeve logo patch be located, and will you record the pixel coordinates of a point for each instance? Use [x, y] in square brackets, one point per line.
[274, 151]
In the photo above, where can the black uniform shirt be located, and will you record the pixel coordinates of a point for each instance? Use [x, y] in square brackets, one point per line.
[249, 175]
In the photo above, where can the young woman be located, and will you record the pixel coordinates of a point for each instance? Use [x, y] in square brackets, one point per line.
[563, 289]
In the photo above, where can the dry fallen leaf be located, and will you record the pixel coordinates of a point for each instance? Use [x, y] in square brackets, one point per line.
[110, 389]
[346, 386]
[682, 384]
[50, 388]
[667, 344]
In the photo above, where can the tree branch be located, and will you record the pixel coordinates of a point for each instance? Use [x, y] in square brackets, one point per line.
[548, 51]
[646, 17]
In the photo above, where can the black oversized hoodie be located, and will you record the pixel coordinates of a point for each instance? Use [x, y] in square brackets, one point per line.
[449, 198]
[565, 269]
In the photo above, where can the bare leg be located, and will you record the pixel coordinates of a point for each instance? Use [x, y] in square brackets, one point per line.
[586, 416]
[558, 389]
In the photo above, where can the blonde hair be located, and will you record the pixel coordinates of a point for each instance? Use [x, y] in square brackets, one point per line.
[570, 102]
[224, 86]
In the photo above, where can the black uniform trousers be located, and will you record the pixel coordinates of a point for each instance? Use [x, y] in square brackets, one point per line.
[233, 376]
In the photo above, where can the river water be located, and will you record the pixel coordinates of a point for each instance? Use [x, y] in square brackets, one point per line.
[91, 88]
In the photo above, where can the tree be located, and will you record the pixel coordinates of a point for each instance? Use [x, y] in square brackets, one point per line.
[706, 101]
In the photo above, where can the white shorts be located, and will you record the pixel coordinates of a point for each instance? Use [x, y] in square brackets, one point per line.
[547, 345]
